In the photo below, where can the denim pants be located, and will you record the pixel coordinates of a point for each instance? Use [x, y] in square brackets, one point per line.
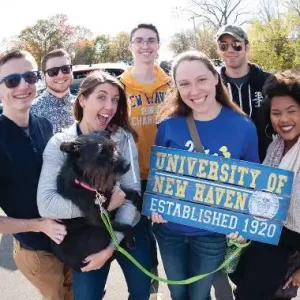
[90, 285]
[187, 256]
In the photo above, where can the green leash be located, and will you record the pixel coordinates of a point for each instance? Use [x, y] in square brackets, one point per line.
[233, 255]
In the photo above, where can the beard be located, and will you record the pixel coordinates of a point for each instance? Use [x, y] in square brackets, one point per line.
[56, 89]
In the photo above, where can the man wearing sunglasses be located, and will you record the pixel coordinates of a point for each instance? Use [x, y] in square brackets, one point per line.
[244, 82]
[23, 138]
[56, 102]
[243, 79]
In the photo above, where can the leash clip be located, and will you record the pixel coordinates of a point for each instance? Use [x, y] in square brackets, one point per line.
[100, 199]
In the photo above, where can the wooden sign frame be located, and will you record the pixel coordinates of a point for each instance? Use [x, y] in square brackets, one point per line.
[218, 194]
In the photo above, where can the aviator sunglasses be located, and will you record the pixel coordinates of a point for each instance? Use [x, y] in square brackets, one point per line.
[236, 46]
[12, 81]
[52, 72]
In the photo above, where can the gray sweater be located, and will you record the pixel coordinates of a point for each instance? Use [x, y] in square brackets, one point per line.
[52, 205]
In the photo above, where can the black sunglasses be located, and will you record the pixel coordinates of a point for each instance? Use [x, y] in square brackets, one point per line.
[66, 69]
[236, 46]
[12, 81]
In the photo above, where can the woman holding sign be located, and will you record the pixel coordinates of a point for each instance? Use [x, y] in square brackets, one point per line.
[224, 130]
[264, 268]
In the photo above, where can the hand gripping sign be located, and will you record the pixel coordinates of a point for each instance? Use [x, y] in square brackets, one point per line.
[218, 194]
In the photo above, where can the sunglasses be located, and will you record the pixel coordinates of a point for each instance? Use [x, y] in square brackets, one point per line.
[66, 69]
[236, 46]
[12, 81]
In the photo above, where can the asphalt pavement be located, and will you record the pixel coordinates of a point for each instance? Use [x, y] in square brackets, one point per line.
[13, 286]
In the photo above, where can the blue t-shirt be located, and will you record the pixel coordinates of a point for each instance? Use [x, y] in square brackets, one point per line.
[230, 135]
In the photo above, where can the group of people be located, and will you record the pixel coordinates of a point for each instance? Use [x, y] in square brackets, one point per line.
[240, 110]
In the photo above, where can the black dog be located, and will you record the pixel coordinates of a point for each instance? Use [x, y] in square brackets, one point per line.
[92, 168]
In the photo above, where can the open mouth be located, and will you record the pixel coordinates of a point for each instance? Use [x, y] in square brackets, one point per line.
[287, 129]
[199, 100]
[146, 53]
[23, 96]
[61, 81]
[103, 119]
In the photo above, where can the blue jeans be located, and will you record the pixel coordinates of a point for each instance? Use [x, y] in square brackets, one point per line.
[90, 285]
[187, 256]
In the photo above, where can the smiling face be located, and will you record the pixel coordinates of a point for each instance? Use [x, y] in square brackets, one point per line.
[144, 46]
[20, 97]
[285, 118]
[197, 86]
[58, 84]
[232, 58]
[99, 107]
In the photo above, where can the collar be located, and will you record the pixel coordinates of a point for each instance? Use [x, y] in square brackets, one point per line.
[99, 199]
[59, 101]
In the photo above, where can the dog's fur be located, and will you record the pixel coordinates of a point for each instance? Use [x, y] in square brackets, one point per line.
[94, 160]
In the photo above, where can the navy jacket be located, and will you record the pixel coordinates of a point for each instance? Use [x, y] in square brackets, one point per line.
[21, 162]
[249, 97]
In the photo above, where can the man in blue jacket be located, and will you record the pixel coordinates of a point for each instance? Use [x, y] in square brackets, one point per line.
[23, 138]
[243, 79]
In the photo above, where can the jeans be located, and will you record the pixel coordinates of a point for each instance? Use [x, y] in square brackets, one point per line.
[154, 259]
[90, 285]
[187, 256]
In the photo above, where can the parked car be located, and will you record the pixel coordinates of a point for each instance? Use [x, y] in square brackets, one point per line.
[82, 71]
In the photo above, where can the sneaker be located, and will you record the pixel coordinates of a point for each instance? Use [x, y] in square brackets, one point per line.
[156, 296]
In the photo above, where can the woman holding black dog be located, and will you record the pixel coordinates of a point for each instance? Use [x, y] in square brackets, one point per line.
[100, 105]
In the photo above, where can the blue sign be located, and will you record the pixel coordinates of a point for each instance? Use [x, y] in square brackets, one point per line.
[218, 194]
[223, 170]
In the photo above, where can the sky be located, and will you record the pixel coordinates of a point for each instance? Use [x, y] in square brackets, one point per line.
[100, 16]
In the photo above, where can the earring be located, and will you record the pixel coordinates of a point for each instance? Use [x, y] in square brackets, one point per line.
[266, 131]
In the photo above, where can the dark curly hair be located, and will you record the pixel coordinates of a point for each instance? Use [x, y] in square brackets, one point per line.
[280, 84]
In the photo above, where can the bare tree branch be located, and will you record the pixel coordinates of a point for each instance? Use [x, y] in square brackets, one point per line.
[218, 12]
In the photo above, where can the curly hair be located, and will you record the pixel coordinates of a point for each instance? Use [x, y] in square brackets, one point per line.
[280, 84]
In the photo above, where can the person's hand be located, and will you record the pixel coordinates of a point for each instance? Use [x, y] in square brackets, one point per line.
[157, 218]
[117, 198]
[96, 261]
[52, 228]
[294, 280]
[236, 236]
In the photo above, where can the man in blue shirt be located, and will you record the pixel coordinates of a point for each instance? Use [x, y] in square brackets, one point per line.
[23, 138]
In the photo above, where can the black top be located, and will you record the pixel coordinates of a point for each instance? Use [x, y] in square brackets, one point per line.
[249, 97]
[21, 162]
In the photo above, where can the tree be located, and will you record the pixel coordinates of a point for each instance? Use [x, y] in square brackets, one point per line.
[85, 53]
[207, 42]
[268, 10]
[216, 13]
[186, 40]
[271, 46]
[49, 34]
[119, 47]
[182, 41]
[294, 5]
[102, 48]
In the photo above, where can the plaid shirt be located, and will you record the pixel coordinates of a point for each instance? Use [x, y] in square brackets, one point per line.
[59, 111]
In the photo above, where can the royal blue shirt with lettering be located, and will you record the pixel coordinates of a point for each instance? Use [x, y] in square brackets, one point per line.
[230, 135]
